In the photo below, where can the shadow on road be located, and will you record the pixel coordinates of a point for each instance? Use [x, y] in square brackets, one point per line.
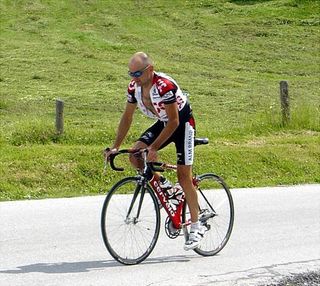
[86, 266]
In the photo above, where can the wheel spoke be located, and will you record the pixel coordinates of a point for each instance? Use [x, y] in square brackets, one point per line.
[214, 197]
[130, 239]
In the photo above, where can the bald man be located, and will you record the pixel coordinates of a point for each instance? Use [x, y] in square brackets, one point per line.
[158, 96]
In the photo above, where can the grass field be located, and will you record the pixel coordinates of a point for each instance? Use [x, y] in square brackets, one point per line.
[228, 55]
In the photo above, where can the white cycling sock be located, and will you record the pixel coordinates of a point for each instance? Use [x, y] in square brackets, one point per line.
[195, 225]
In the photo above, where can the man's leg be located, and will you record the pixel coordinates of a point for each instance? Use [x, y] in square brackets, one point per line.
[197, 231]
[184, 173]
[145, 140]
[137, 161]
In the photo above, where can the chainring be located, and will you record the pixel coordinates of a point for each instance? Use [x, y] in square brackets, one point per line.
[171, 231]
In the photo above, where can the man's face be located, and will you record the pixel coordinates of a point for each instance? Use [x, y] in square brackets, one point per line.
[140, 73]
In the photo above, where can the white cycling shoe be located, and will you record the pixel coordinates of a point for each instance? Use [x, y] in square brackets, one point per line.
[195, 237]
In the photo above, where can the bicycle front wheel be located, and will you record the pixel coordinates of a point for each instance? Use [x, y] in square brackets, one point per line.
[216, 213]
[130, 221]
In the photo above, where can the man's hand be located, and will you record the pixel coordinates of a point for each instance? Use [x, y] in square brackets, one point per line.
[107, 152]
[152, 154]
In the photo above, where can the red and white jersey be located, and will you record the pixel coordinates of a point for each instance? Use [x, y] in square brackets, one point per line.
[163, 91]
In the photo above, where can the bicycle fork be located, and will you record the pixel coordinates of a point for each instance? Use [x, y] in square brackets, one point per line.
[139, 189]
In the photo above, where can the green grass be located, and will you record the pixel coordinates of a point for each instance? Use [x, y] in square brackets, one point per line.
[229, 55]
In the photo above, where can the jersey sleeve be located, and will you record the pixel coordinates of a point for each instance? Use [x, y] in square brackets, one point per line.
[167, 90]
[169, 97]
[130, 94]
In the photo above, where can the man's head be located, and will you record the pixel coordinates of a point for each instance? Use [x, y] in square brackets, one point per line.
[141, 68]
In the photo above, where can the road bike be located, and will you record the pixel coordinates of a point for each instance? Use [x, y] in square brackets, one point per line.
[130, 219]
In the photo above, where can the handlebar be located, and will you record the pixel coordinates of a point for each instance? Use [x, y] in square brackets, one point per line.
[124, 151]
[154, 166]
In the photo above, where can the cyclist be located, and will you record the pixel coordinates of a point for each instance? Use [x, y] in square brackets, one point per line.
[158, 96]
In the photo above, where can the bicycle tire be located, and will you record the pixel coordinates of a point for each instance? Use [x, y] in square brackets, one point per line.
[128, 240]
[215, 201]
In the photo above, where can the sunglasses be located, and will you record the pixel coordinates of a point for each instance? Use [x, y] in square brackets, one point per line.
[137, 73]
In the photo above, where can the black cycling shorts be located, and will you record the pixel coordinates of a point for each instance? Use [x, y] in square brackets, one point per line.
[183, 137]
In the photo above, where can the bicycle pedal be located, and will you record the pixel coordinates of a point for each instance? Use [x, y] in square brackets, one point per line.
[205, 216]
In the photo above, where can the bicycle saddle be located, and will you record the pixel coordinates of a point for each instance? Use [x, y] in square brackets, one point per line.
[201, 141]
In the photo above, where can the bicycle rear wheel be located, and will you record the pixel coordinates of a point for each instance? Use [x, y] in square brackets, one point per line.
[216, 213]
[130, 221]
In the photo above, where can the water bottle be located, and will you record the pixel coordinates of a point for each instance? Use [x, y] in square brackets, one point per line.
[176, 194]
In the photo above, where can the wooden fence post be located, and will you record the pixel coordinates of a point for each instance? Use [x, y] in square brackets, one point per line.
[285, 104]
[59, 116]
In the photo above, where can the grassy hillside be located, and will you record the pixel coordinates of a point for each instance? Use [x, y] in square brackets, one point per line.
[229, 55]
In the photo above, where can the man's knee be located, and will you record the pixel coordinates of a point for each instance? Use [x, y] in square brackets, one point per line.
[184, 173]
[134, 159]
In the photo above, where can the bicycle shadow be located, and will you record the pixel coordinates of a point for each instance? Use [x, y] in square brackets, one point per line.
[87, 266]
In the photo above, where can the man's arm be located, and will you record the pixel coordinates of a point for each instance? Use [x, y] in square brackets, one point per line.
[172, 124]
[124, 124]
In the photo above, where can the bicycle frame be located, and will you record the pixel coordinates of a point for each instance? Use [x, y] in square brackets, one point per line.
[174, 211]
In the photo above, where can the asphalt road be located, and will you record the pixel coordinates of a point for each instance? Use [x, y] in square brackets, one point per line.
[58, 242]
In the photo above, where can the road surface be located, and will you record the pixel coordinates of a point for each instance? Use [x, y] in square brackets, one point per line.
[58, 242]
